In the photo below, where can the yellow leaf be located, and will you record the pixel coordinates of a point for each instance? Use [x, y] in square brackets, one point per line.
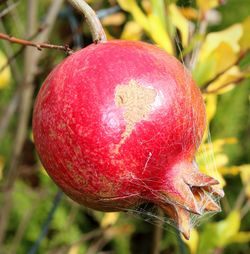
[159, 34]
[151, 24]
[216, 146]
[189, 13]
[1, 167]
[123, 4]
[132, 31]
[116, 19]
[213, 62]
[211, 106]
[219, 143]
[179, 22]
[224, 57]
[221, 160]
[241, 237]
[109, 219]
[245, 177]
[227, 80]
[5, 75]
[132, 7]
[234, 170]
[205, 5]
[229, 36]
[147, 6]
[245, 39]
[193, 242]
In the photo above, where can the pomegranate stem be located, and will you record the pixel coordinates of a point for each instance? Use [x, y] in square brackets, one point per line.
[93, 21]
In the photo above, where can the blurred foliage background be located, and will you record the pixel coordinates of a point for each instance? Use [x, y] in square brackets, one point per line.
[211, 37]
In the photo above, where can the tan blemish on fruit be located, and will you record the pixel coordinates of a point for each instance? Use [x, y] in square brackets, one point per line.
[69, 165]
[136, 101]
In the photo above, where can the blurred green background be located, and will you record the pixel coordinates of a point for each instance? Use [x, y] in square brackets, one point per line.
[211, 37]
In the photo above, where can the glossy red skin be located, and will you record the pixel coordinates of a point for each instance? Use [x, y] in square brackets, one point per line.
[77, 125]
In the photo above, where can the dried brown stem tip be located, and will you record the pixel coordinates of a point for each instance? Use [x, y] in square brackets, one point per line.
[39, 46]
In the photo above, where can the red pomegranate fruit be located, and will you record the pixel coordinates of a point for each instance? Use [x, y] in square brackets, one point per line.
[117, 124]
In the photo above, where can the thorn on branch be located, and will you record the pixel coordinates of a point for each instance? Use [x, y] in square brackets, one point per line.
[38, 47]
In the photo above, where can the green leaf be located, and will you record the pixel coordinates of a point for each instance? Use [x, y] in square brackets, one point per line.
[158, 7]
[218, 235]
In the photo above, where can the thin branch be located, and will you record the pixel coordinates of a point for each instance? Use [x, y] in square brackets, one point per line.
[21, 49]
[235, 82]
[37, 45]
[41, 33]
[97, 246]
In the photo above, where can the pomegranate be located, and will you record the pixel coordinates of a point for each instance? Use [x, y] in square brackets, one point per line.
[117, 124]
